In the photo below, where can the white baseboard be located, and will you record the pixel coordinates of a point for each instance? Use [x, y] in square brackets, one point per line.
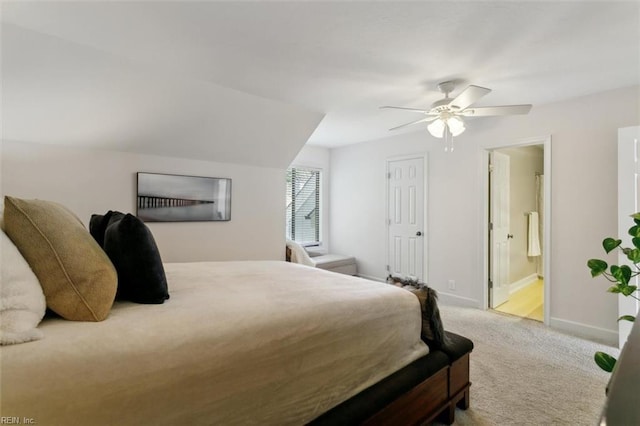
[601, 335]
[522, 283]
[455, 300]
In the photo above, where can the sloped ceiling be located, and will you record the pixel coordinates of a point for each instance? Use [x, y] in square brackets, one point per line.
[237, 79]
[60, 92]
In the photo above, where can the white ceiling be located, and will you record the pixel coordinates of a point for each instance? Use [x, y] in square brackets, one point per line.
[342, 59]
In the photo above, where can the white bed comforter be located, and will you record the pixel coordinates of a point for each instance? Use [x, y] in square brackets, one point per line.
[238, 343]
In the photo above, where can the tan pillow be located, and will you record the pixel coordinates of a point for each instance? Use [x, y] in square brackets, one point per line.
[78, 279]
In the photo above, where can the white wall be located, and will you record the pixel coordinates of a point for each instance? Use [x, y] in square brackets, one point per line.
[319, 158]
[584, 188]
[94, 181]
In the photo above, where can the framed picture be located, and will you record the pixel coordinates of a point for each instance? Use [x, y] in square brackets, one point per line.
[175, 198]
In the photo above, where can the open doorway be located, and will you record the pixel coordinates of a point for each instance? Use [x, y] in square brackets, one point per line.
[517, 225]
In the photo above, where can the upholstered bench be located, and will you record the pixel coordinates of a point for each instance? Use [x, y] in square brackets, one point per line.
[458, 349]
[330, 262]
[440, 381]
[336, 263]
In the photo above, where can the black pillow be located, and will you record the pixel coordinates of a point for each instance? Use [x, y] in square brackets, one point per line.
[98, 225]
[130, 245]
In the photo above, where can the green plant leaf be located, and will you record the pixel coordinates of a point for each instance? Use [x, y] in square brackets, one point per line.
[634, 231]
[597, 266]
[605, 361]
[636, 217]
[634, 255]
[628, 290]
[622, 274]
[610, 244]
[630, 318]
[615, 289]
[636, 242]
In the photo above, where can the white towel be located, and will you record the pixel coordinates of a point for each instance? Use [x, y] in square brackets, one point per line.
[534, 238]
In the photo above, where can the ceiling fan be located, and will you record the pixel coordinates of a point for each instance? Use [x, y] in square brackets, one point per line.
[446, 114]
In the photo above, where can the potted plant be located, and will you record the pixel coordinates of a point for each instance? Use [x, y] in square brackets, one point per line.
[620, 276]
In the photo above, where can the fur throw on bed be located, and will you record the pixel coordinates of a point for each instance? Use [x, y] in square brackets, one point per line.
[22, 302]
[432, 328]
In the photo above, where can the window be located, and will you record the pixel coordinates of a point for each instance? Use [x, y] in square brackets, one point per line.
[303, 205]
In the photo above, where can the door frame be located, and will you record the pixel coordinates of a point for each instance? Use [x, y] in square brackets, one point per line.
[545, 141]
[425, 233]
[628, 140]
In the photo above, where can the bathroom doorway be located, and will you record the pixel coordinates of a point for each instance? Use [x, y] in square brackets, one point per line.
[516, 210]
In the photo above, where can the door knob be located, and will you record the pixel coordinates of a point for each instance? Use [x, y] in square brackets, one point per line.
[418, 233]
[509, 235]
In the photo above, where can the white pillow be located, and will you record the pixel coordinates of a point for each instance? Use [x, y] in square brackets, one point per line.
[22, 302]
[299, 254]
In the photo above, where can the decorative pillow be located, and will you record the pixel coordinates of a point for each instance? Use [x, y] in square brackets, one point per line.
[133, 251]
[432, 329]
[22, 303]
[77, 277]
[99, 222]
[297, 254]
[97, 225]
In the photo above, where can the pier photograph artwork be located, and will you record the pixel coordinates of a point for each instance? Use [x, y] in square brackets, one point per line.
[175, 198]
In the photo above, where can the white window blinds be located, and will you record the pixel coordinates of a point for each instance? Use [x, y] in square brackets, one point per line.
[303, 205]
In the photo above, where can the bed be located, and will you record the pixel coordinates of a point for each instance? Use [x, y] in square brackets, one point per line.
[247, 342]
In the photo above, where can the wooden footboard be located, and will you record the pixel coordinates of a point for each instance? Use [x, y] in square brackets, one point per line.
[435, 397]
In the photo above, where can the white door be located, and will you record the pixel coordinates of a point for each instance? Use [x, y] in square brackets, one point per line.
[406, 234]
[499, 229]
[628, 203]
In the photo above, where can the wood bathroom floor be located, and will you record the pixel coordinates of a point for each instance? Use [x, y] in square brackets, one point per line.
[526, 302]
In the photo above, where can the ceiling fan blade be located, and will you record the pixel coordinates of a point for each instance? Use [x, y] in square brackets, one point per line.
[468, 96]
[496, 110]
[414, 122]
[424, 111]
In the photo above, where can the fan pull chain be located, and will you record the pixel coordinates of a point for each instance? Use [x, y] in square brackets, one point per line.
[448, 140]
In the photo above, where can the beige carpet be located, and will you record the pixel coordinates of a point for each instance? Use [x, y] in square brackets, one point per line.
[524, 373]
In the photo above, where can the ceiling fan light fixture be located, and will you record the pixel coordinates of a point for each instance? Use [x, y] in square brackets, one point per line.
[455, 125]
[437, 127]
